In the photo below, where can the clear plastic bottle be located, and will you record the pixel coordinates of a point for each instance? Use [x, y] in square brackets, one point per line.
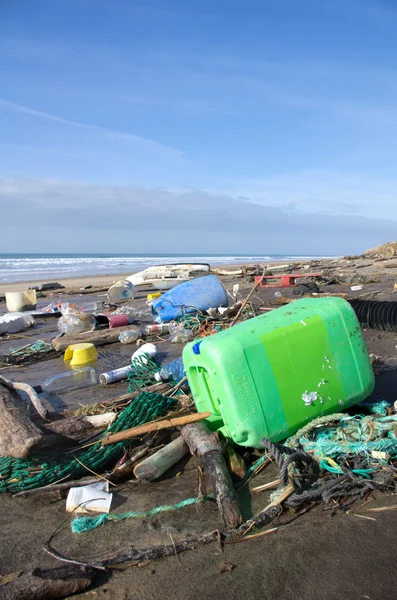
[71, 380]
[173, 369]
[180, 335]
[130, 336]
[76, 322]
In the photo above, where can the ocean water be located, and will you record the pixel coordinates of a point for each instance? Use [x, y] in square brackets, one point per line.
[51, 267]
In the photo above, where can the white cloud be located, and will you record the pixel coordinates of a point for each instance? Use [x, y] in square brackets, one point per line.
[147, 144]
[321, 191]
[55, 216]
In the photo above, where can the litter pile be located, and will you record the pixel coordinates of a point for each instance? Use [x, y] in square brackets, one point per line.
[213, 374]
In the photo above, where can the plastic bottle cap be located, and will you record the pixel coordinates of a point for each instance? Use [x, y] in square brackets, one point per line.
[196, 348]
[157, 377]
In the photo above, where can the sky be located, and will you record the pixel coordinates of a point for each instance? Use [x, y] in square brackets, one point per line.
[219, 126]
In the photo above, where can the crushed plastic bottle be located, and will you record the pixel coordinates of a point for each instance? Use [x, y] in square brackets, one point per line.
[133, 313]
[173, 369]
[130, 336]
[74, 321]
[71, 380]
[179, 335]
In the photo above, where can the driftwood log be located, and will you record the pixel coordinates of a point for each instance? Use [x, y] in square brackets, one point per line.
[209, 448]
[18, 435]
[98, 338]
[46, 584]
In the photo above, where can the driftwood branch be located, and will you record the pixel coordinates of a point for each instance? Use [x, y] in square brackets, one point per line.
[46, 584]
[18, 435]
[25, 387]
[73, 427]
[255, 287]
[209, 448]
[265, 517]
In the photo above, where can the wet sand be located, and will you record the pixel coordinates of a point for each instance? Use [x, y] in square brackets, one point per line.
[314, 558]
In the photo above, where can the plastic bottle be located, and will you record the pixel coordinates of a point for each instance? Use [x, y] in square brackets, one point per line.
[148, 350]
[180, 335]
[130, 336]
[174, 369]
[27, 317]
[156, 329]
[76, 322]
[72, 380]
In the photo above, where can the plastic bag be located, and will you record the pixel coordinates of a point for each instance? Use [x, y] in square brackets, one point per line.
[81, 307]
[179, 335]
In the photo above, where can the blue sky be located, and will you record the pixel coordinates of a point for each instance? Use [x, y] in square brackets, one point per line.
[244, 125]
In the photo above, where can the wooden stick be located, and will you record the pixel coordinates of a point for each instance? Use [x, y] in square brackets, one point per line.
[58, 487]
[248, 297]
[154, 426]
[98, 338]
[266, 486]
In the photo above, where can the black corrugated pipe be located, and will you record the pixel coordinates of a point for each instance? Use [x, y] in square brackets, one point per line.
[373, 314]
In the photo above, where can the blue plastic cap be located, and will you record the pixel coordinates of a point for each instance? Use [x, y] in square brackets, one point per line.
[196, 348]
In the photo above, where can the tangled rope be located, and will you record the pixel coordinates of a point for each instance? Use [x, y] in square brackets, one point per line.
[31, 353]
[361, 435]
[359, 472]
[17, 475]
[200, 325]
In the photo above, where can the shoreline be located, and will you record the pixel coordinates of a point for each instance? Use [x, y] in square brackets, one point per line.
[109, 278]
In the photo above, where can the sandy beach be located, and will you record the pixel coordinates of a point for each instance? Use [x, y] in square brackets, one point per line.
[259, 565]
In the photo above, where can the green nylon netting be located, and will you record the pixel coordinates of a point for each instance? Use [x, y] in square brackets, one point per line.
[143, 373]
[17, 475]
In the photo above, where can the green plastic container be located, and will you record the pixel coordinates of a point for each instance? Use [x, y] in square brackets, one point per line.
[269, 376]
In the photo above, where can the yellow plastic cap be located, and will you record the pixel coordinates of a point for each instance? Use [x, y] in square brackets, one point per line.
[80, 354]
[154, 295]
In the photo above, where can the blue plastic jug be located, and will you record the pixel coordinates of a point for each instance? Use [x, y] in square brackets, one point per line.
[189, 297]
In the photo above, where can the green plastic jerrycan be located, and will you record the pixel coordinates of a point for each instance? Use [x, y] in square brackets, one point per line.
[269, 376]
